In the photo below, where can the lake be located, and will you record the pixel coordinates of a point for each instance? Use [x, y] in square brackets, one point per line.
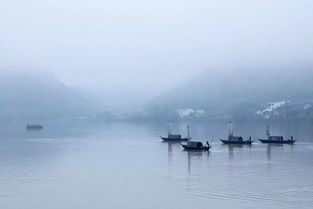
[97, 165]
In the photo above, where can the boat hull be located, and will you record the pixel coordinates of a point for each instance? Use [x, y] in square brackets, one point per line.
[236, 142]
[195, 148]
[166, 139]
[266, 141]
[34, 127]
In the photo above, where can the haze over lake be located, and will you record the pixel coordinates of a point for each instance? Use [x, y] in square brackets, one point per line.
[88, 87]
[125, 165]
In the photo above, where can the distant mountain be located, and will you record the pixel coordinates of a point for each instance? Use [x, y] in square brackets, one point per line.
[35, 95]
[240, 91]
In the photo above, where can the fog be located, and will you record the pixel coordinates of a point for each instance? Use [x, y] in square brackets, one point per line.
[129, 52]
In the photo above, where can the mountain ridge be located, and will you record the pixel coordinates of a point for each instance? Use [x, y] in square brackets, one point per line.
[241, 90]
[30, 94]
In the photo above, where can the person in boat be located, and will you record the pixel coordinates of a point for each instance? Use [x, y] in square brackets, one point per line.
[207, 143]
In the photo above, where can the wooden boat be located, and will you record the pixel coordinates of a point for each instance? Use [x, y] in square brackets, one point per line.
[175, 137]
[34, 127]
[235, 139]
[276, 139]
[196, 145]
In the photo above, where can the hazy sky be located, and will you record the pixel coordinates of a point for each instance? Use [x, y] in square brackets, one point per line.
[143, 47]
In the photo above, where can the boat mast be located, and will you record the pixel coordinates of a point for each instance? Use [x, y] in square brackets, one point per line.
[188, 131]
[169, 128]
[231, 131]
[268, 131]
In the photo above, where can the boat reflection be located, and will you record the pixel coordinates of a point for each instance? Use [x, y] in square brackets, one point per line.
[271, 147]
[193, 155]
[233, 147]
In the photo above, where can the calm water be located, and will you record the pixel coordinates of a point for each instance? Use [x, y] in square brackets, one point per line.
[124, 165]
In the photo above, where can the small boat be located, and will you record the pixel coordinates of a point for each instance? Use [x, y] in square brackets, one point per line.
[34, 127]
[235, 139]
[175, 137]
[276, 139]
[196, 145]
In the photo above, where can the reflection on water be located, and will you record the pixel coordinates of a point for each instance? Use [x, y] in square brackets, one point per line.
[233, 148]
[196, 156]
[127, 166]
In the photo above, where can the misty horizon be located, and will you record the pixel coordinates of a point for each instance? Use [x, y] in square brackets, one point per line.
[132, 53]
[162, 104]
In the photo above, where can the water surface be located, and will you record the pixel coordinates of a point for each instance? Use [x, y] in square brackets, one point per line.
[125, 165]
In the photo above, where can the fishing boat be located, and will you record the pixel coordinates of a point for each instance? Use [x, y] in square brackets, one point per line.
[175, 137]
[276, 139]
[196, 145]
[34, 127]
[235, 139]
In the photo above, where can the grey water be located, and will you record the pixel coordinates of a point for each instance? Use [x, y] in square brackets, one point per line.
[125, 165]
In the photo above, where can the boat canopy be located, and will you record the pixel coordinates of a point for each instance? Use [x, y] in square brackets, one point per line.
[235, 138]
[276, 138]
[174, 136]
[194, 144]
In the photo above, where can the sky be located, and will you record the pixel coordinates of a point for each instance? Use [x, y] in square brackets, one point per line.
[139, 49]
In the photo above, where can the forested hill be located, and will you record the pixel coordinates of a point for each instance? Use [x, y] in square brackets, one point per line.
[241, 90]
[28, 94]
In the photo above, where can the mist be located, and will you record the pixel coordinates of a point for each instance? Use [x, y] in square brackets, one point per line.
[129, 53]
[162, 104]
